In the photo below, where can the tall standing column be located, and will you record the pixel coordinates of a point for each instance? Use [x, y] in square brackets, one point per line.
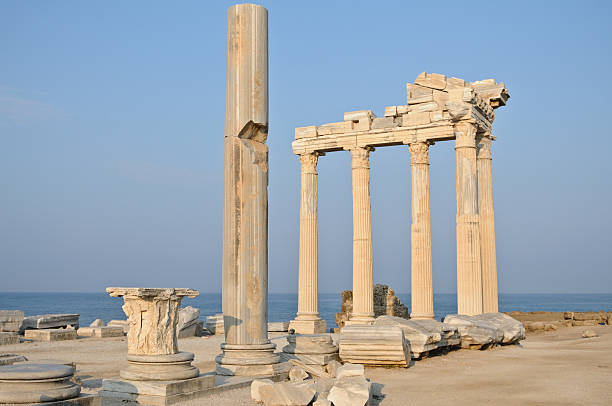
[469, 269]
[487, 225]
[307, 320]
[363, 283]
[422, 283]
[247, 349]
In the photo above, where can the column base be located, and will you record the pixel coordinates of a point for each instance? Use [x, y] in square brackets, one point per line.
[422, 316]
[172, 367]
[308, 326]
[248, 360]
[360, 320]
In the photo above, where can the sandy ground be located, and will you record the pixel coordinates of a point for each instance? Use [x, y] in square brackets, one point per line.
[553, 368]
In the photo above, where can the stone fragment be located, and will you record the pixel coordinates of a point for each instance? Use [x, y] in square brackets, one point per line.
[11, 320]
[97, 323]
[187, 318]
[350, 391]
[374, 345]
[335, 128]
[421, 107]
[314, 370]
[311, 349]
[50, 334]
[10, 359]
[418, 94]
[349, 369]
[256, 385]
[7, 338]
[194, 330]
[431, 80]
[120, 323]
[297, 374]
[413, 118]
[423, 336]
[475, 333]
[454, 83]
[513, 330]
[589, 334]
[101, 332]
[359, 115]
[278, 326]
[45, 321]
[332, 367]
[287, 394]
[214, 324]
[306, 132]
[322, 402]
[391, 111]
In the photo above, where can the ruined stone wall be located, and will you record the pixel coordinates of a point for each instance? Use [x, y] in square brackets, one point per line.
[385, 303]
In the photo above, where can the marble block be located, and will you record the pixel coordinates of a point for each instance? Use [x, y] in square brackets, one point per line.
[279, 326]
[311, 349]
[50, 334]
[512, 329]
[124, 324]
[476, 333]
[101, 332]
[11, 320]
[374, 345]
[8, 338]
[45, 321]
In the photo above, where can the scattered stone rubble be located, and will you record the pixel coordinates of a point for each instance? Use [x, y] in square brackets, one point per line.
[546, 321]
[385, 303]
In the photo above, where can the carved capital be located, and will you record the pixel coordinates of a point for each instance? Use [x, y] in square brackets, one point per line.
[483, 146]
[419, 153]
[465, 135]
[360, 157]
[309, 162]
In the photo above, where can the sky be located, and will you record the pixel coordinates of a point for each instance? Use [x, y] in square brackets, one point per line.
[111, 131]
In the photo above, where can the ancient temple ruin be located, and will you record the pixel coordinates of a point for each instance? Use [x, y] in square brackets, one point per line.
[438, 108]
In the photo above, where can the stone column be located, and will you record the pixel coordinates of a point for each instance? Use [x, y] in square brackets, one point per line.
[487, 225]
[308, 320]
[363, 283]
[247, 349]
[469, 269]
[422, 284]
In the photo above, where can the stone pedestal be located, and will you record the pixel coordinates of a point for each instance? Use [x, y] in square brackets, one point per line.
[308, 320]
[487, 225]
[247, 349]
[469, 268]
[34, 383]
[311, 349]
[421, 272]
[363, 282]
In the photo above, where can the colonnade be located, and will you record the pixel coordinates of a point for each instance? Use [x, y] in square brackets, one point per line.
[476, 263]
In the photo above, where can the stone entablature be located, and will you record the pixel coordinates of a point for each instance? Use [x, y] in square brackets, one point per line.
[434, 104]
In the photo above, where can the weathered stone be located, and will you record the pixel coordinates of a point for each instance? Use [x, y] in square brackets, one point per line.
[115, 391]
[11, 320]
[475, 333]
[10, 359]
[385, 303]
[423, 336]
[418, 94]
[335, 128]
[359, 115]
[513, 330]
[322, 402]
[589, 334]
[124, 324]
[414, 118]
[34, 383]
[311, 349]
[50, 335]
[374, 345]
[349, 369]
[314, 370]
[306, 132]
[297, 374]
[187, 317]
[383, 122]
[287, 394]
[279, 326]
[44, 321]
[390, 111]
[350, 391]
[431, 80]
[97, 323]
[214, 324]
[600, 317]
[101, 332]
[256, 385]
[332, 367]
[194, 330]
[8, 338]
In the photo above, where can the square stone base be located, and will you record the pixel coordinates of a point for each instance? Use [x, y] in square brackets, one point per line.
[50, 334]
[9, 338]
[162, 393]
[308, 326]
[101, 332]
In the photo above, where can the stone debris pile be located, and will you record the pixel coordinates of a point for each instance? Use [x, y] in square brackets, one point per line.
[485, 330]
[346, 386]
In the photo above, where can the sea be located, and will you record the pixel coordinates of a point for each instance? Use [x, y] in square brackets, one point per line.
[282, 306]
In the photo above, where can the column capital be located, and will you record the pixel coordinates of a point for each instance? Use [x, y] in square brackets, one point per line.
[465, 134]
[309, 162]
[360, 157]
[483, 146]
[419, 153]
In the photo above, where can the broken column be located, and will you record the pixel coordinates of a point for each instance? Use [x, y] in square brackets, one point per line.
[247, 349]
[469, 269]
[363, 282]
[308, 320]
[487, 225]
[422, 280]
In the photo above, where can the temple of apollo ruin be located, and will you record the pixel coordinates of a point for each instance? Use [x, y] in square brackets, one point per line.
[438, 108]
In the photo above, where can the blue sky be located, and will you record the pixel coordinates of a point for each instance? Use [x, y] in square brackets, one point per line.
[111, 123]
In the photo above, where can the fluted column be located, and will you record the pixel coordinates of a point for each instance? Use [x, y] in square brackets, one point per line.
[363, 283]
[307, 320]
[247, 349]
[422, 284]
[487, 225]
[469, 268]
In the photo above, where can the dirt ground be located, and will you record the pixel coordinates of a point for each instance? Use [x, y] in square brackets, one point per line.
[552, 368]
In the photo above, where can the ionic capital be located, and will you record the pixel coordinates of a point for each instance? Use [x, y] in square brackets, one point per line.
[419, 153]
[483, 146]
[309, 162]
[465, 135]
[360, 157]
